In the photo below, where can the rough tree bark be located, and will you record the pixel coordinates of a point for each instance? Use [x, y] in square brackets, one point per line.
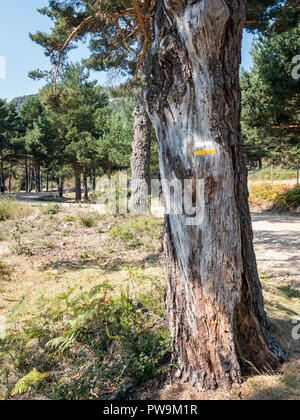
[214, 298]
[141, 148]
[140, 157]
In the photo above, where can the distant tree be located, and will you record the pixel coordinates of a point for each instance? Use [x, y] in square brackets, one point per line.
[14, 130]
[3, 138]
[116, 141]
[72, 110]
[271, 99]
[10, 128]
[119, 35]
[30, 114]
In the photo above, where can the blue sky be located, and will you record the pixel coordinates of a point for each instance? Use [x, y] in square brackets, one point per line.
[17, 19]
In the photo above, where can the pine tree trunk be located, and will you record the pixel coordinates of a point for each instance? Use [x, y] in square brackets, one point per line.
[140, 158]
[10, 176]
[26, 176]
[37, 178]
[60, 183]
[214, 299]
[77, 174]
[47, 181]
[30, 178]
[109, 169]
[94, 180]
[1, 169]
[85, 183]
[41, 181]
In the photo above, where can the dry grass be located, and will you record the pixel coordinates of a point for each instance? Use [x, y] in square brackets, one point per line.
[278, 197]
[47, 253]
[11, 210]
[42, 253]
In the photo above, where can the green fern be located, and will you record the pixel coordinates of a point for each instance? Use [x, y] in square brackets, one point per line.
[31, 380]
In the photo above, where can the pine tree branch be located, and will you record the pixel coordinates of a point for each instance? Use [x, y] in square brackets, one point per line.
[68, 41]
[289, 4]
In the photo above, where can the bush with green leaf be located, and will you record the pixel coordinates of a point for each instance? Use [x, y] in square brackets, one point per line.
[89, 344]
[54, 209]
[88, 219]
[133, 234]
[278, 197]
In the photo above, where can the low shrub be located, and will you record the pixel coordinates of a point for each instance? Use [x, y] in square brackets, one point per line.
[54, 209]
[289, 292]
[289, 199]
[87, 345]
[279, 197]
[133, 234]
[10, 209]
[69, 218]
[88, 219]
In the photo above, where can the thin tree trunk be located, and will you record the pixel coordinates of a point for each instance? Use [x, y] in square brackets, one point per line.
[140, 158]
[30, 178]
[85, 184]
[41, 181]
[214, 299]
[26, 176]
[47, 181]
[94, 180]
[109, 169]
[77, 174]
[10, 176]
[37, 178]
[60, 183]
[1, 169]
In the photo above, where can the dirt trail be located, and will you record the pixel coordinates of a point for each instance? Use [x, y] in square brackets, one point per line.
[277, 246]
[31, 198]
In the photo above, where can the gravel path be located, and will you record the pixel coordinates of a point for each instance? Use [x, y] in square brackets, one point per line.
[277, 246]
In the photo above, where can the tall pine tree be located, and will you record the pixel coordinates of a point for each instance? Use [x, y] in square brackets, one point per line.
[271, 98]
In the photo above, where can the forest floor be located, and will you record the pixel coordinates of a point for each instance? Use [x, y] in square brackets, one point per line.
[50, 252]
